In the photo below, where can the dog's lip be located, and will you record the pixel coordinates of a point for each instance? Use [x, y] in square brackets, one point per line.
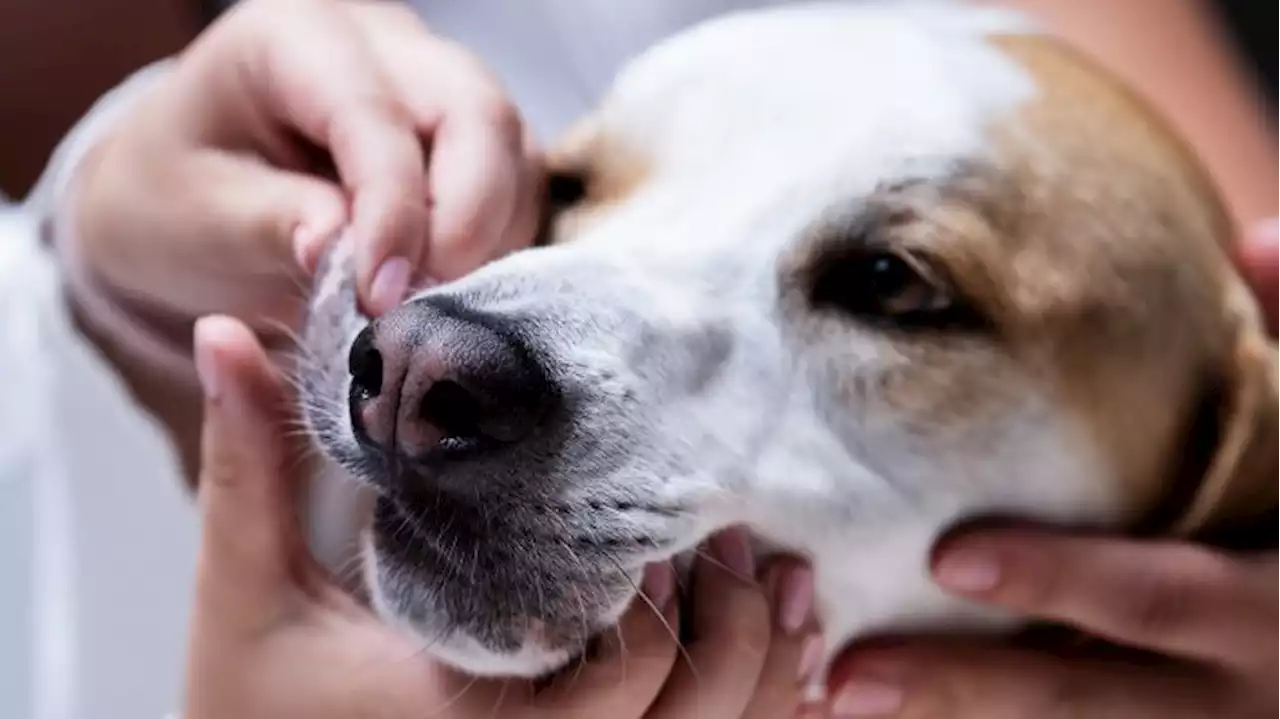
[450, 451]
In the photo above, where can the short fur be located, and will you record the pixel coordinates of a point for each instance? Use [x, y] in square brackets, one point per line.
[700, 384]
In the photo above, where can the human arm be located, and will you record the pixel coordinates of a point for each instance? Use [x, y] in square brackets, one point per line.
[208, 185]
[1174, 53]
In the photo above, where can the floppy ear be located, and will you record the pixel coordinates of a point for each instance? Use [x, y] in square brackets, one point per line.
[1236, 431]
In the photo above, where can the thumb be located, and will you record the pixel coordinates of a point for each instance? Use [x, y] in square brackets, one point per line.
[250, 530]
[260, 206]
[1258, 258]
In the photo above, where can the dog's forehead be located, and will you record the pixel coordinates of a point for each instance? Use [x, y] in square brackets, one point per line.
[828, 100]
[739, 136]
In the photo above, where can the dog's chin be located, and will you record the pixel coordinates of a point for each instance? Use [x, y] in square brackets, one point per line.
[531, 623]
[535, 654]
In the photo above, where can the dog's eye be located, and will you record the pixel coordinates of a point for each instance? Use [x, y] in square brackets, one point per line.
[882, 285]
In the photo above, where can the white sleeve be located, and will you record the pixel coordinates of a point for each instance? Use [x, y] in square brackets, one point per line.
[52, 204]
[97, 536]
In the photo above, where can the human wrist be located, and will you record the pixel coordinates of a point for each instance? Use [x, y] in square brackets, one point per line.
[137, 332]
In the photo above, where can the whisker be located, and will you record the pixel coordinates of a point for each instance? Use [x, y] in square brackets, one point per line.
[675, 636]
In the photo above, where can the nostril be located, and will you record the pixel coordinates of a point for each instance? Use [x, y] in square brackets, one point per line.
[453, 410]
[365, 365]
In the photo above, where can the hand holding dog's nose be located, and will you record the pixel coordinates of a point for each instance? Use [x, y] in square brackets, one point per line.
[1206, 621]
[280, 124]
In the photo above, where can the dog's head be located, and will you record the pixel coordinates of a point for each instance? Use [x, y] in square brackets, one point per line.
[809, 269]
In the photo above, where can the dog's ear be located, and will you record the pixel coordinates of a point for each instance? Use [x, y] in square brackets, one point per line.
[565, 178]
[1233, 443]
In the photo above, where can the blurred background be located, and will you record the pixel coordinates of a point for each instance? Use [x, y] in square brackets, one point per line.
[128, 531]
[57, 56]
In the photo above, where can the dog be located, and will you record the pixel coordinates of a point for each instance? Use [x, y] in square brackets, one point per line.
[844, 274]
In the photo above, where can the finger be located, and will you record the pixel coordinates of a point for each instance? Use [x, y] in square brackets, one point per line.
[250, 533]
[322, 80]
[476, 180]
[1168, 597]
[1259, 262]
[796, 647]
[524, 225]
[271, 220]
[731, 636]
[632, 665]
[924, 681]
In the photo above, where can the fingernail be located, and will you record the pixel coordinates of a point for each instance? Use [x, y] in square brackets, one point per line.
[1266, 231]
[206, 364]
[659, 583]
[810, 656]
[866, 698]
[731, 547]
[795, 600]
[311, 233]
[390, 283]
[304, 242]
[968, 571]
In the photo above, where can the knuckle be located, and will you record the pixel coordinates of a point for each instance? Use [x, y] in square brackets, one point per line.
[222, 468]
[746, 619]
[495, 111]
[1067, 698]
[1165, 598]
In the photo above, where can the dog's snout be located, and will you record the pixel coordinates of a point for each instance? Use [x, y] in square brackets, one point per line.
[434, 377]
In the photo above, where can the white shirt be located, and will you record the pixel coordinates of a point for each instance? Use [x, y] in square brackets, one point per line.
[97, 536]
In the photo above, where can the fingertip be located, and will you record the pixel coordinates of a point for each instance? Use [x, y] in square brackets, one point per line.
[792, 596]
[318, 227]
[1259, 251]
[732, 547]
[654, 614]
[390, 284]
[1266, 234]
[969, 568]
[980, 557]
[217, 339]
[659, 584]
[883, 663]
[391, 248]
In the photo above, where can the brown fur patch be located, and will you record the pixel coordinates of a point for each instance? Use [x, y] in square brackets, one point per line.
[1118, 267]
[610, 172]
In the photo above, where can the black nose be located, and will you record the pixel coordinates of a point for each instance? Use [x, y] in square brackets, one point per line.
[434, 378]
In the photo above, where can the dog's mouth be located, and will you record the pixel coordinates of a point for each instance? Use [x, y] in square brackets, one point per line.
[518, 493]
[494, 588]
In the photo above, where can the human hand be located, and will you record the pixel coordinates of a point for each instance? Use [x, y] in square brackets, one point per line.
[215, 192]
[1207, 619]
[273, 636]
[1258, 259]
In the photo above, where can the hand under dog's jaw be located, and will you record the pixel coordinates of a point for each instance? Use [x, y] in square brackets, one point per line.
[493, 601]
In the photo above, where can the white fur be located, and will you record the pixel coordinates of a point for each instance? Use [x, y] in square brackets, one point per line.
[756, 127]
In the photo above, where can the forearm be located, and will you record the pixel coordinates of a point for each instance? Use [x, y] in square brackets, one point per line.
[1173, 53]
[153, 360]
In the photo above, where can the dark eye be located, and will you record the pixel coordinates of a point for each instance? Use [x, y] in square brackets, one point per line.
[565, 189]
[882, 285]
